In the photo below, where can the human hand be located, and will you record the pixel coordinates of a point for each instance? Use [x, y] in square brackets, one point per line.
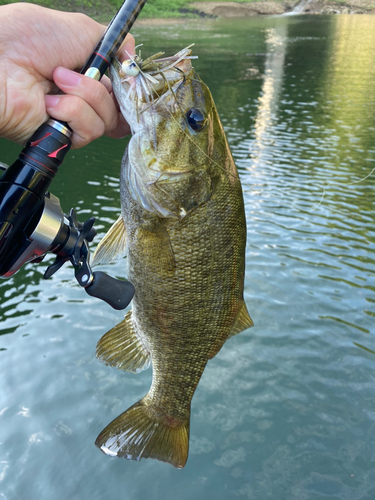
[37, 45]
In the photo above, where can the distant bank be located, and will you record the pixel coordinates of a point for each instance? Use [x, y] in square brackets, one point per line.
[168, 11]
[240, 9]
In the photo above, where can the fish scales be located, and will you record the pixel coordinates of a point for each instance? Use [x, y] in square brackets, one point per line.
[165, 304]
[186, 237]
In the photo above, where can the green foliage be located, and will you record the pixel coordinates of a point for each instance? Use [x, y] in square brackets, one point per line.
[160, 8]
[104, 9]
[101, 10]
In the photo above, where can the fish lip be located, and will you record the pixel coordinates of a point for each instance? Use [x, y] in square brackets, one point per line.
[168, 175]
[117, 78]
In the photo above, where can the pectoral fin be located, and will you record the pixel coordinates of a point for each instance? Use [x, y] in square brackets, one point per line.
[121, 348]
[113, 245]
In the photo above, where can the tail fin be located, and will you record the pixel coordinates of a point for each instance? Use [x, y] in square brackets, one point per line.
[141, 432]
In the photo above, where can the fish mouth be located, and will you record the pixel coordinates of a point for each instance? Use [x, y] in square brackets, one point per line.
[149, 92]
[155, 78]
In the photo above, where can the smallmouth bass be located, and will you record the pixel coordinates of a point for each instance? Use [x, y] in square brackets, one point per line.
[183, 229]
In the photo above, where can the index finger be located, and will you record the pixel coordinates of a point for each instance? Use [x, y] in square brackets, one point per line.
[127, 48]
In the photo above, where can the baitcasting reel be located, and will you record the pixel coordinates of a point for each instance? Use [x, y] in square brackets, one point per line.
[32, 222]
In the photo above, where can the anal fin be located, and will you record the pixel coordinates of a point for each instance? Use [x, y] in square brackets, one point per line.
[242, 321]
[113, 245]
[121, 348]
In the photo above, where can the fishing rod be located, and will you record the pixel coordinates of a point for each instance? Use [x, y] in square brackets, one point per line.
[32, 222]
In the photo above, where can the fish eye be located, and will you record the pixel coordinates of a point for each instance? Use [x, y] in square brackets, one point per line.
[195, 119]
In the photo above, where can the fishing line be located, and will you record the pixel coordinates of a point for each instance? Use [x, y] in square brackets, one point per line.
[323, 195]
[340, 184]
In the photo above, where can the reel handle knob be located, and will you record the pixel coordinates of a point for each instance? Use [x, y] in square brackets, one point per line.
[116, 293]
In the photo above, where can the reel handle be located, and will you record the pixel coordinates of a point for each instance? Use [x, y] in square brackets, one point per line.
[116, 293]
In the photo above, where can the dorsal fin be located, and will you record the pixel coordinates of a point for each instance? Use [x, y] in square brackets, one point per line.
[113, 245]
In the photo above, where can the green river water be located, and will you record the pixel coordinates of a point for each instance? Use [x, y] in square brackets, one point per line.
[286, 410]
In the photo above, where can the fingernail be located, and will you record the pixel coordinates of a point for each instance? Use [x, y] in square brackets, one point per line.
[51, 100]
[67, 77]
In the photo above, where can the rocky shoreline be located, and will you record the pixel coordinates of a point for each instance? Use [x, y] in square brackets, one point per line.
[215, 10]
[235, 9]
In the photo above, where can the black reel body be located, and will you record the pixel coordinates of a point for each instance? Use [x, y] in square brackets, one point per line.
[23, 186]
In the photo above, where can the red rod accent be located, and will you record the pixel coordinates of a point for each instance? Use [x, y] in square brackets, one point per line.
[54, 154]
[23, 154]
[35, 143]
[97, 53]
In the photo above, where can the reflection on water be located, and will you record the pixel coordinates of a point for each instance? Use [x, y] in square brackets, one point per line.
[268, 99]
[286, 410]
